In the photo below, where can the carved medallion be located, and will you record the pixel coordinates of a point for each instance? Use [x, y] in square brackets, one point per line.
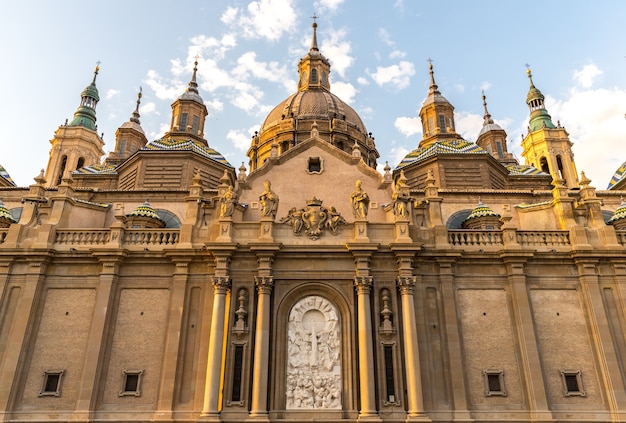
[314, 219]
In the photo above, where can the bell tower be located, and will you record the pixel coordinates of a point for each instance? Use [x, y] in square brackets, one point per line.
[547, 146]
[437, 115]
[76, 144]
[189, 113]
[129, 137]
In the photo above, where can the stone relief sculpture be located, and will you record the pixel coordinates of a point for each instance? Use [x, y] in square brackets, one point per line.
[227, 202]
[269, 201]
[360, 201]
[313, 355]
[314, 219]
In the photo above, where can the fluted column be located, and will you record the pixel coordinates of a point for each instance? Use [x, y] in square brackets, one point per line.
[264, 285]
[221, 286]
[415, 400]
[363, 286]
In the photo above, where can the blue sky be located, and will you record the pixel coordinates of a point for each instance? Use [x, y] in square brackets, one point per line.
[249, 52]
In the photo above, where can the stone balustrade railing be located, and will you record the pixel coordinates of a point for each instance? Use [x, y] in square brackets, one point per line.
[99, 237]
[471, 238]
[151, 237]
[82, 236]
[543, 238]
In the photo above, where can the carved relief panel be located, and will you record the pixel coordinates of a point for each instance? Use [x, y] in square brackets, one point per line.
[314, 355]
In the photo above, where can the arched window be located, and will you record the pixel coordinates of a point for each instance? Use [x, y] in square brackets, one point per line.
[559, 165]
[81, 163]
[61, 169]
[544, 165]
[456, 220]
[170, 219]
[313, 75]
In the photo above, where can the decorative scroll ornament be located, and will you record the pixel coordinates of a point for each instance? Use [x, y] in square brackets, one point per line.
[314, 219]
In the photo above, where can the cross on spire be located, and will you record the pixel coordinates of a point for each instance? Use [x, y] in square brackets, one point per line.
[314, 17]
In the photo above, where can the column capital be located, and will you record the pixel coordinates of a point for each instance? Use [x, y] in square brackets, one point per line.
[264, 284]
[221, 284]
[406, 284]
[363, 284]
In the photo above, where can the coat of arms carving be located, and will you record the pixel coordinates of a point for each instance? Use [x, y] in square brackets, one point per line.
[314, 219]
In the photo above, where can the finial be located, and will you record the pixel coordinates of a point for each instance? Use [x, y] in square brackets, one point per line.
[433, 89]
[487, 116]
[314, 40]
[135, 115]
[193, 85]
[95, 72]
[530, 74]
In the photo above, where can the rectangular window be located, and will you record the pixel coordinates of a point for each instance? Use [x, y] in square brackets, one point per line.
[389, 379]
[572, 383]
[494, 381]
[131, 383]
[237, 373]
[442, 123]
[195, 124]
[51, 385]
[499, 148]
[182, 125]
[122, 146]
[315, 165]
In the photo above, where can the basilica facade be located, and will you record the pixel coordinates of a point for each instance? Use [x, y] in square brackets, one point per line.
[305, 285]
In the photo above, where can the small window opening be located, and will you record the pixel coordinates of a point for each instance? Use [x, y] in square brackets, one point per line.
[494, 381]
[195, 125]
[499, 148]
[389, 379]
[237, 372]
[51, 383]
[182, 126]
[62, 169]
[315, 165]
[131, 383]
[81, 163]
[572, 381]
[442, 123]
[544, 165]
[313, 75]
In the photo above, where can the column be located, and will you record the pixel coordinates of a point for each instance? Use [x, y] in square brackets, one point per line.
[212, 388]
[459, 395]
[528, 343]
[264, 285]
[608, 359]
[363, 286]
[105, 292]
[30, 290]
[415, 399]
[165, 402]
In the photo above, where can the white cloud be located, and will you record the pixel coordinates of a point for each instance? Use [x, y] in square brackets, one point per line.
[362, 80]
[111, 93]
[345, 91]
[147, 108]
[585, 77]
[408, 125]
[268, 19]
[164, 90]
[230, 15]
[397, 154]
[468, 125]
[211, 47]
[330, 4]
[594, 118]
[337, 49]
[396, 75]
[397, 54]
[485, 85]
[248, 66]
[240, 139]
[214, 105]
[383, 35]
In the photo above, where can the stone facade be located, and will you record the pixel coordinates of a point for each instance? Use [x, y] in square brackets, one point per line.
[313, 287]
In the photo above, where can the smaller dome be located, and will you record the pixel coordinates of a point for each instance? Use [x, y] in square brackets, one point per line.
[482, 217]
[619, 217]
[144, 210]
[144, 216]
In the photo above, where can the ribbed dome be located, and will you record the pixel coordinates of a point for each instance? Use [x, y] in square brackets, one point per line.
[319, 105]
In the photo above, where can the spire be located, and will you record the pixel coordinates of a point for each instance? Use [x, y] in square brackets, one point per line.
[85, 115]
[191, 93]
[433, 89]
[487, 117]
[314, 39]
[539, 117]
[135, 116]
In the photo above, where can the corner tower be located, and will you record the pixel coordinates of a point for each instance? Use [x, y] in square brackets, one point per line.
[129, 137]
[437, 115]
[77, 144]
[493, 138]
[547, 146]
[189, 113]
[312, 109]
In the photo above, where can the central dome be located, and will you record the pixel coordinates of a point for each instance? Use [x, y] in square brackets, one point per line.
[318, 105]
[312, 109]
